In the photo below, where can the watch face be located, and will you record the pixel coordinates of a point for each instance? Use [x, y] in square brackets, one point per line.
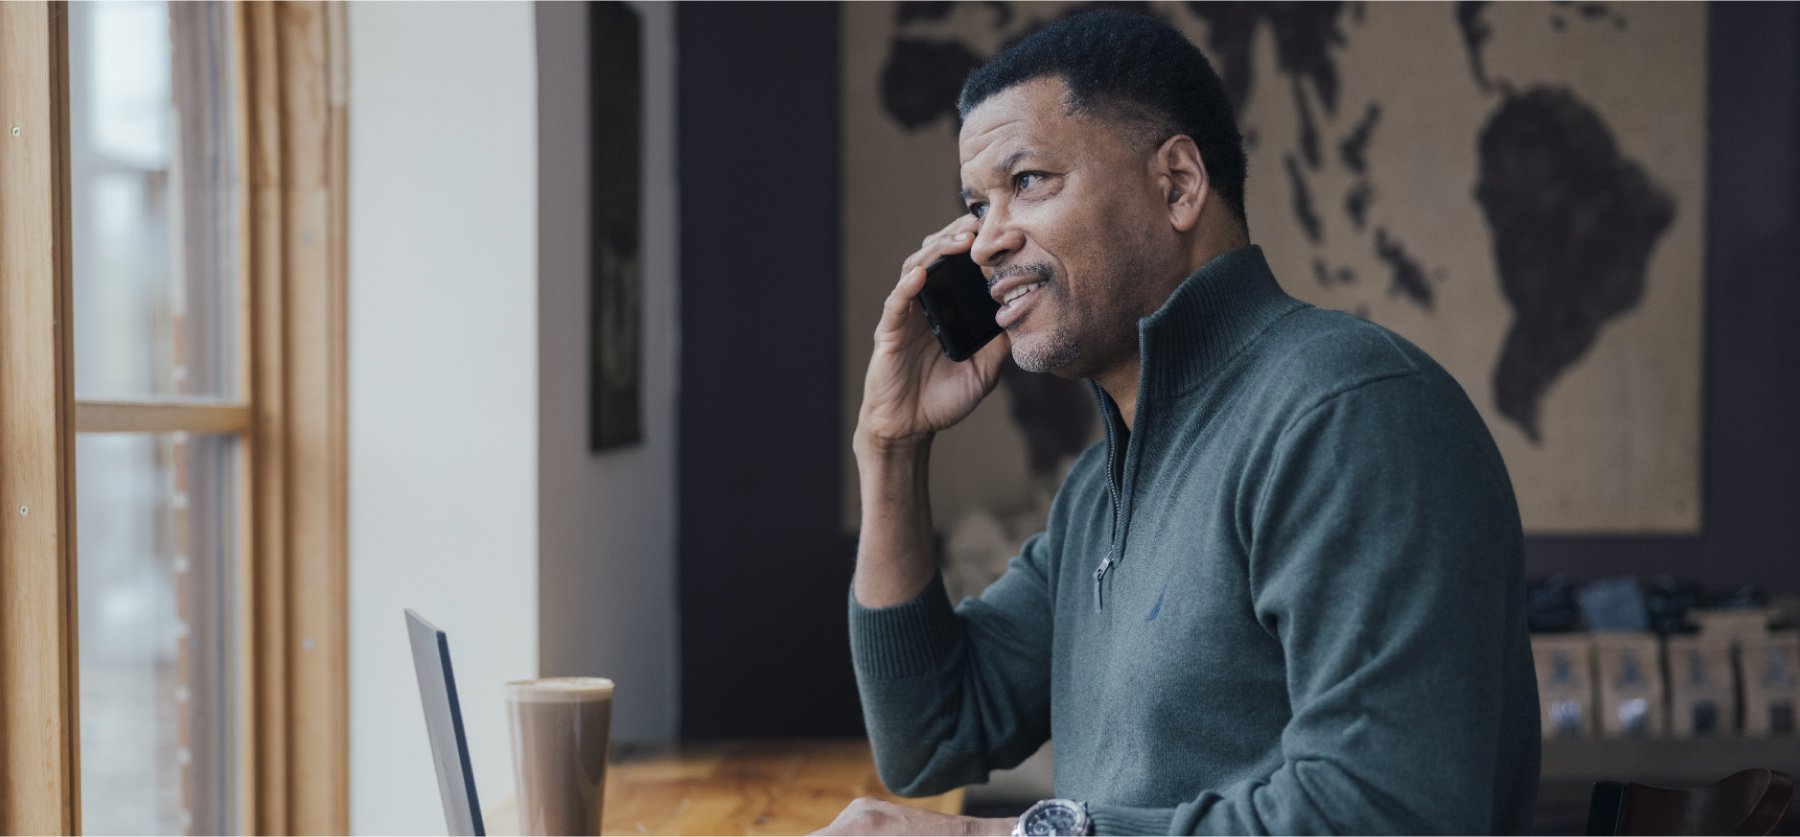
[1058, 819]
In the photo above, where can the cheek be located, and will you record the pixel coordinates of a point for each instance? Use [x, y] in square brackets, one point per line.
[1086, 239]
[1089, 259]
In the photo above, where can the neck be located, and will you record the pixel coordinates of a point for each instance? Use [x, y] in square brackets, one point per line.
[1122, 385]
[1121, 381]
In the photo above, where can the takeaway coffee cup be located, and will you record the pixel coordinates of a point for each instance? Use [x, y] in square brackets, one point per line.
[560, 728]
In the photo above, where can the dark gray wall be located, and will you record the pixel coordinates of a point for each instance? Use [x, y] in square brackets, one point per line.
[764, 569]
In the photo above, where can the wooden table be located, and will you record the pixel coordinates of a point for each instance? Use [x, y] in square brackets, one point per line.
[734, 787]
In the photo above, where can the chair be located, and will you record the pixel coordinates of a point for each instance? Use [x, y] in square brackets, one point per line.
[1747, 802]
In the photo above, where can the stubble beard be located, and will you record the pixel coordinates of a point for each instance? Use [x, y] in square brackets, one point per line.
[1053, 351]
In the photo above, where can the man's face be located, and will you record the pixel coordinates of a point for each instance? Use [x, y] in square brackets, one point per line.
[1070, 211]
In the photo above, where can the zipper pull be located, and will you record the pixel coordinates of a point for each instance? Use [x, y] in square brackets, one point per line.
[1100, 579]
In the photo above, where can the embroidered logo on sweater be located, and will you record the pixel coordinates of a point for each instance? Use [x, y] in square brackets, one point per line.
[1156, 608]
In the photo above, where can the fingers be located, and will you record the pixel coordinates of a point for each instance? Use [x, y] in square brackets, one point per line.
[897, 312]
[963, 224]
[958, 237]
[897, 309]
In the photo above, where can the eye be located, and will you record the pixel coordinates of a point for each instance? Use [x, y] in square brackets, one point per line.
[1026, 179]
[978, 210]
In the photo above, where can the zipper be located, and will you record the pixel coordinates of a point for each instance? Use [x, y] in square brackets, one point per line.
[1106, 564]
[1100, 579]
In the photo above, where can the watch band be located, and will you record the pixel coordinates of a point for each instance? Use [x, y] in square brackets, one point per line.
[1061, 817]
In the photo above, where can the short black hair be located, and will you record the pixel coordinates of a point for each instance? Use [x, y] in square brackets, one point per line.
[1133, 68]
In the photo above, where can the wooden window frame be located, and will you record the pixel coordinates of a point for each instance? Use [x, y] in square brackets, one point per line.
[289, 89]
[39, 785]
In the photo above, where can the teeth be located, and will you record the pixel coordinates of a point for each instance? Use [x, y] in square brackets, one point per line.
[1019, 292]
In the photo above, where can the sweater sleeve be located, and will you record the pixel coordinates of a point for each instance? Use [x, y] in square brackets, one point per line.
[949, 695]
[1386, 556]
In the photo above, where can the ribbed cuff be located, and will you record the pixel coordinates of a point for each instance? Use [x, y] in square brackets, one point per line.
[1118, 819]
[907, 640]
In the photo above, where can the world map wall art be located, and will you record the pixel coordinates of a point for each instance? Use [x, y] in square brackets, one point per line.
[1518, 188]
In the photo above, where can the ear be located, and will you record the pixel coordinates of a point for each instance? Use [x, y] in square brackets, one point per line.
[1181, 174]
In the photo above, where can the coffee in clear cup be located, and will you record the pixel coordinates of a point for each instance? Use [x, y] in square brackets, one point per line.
[560, 729]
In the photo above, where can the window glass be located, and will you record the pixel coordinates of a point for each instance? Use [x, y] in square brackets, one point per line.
[154, 225]
[156, 577]
[153, 195]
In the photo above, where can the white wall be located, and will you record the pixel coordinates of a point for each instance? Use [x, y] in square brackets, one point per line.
[473, 498]
[607, 521]
[443, 386]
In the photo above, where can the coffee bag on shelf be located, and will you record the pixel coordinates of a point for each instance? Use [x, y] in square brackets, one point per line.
[1629, 666]
[1771, 669]
[1734, 625]
[1702, 689]
[1565, 684]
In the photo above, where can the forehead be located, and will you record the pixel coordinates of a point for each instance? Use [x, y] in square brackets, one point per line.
[1029, 116]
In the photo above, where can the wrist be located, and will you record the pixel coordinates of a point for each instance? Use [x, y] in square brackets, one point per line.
[1062, 817]
[874, 449]
[893, 475]
[992, 826]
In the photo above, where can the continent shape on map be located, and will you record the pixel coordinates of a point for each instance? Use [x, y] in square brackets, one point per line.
[1573, 224]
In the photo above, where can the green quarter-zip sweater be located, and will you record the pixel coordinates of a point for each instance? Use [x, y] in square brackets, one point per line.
[1290, 600]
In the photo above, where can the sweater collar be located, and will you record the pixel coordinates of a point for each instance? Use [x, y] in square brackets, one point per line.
[1209, 318]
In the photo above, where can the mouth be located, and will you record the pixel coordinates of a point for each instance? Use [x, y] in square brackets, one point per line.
[1014, 297]
[1015, 293]
[1011, 281]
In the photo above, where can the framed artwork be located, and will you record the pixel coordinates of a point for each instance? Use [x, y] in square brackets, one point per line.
[616, 298]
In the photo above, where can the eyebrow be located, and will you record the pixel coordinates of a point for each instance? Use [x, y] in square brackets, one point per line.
[1005, 166]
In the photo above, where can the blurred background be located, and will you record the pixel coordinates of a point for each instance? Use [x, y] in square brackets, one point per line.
[611, 273]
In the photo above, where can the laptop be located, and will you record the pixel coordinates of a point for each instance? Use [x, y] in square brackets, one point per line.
[443, 721]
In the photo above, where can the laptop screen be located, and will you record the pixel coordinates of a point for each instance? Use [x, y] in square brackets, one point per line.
[443, 721]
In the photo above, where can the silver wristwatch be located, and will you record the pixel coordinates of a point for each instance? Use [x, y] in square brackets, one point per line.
[1062, 817]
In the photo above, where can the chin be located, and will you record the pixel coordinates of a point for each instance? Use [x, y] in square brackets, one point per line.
[1046, 354]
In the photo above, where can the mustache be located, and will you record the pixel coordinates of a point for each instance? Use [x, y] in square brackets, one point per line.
[1005, 272]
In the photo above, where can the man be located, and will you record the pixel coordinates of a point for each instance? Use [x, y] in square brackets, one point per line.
[1285, 595]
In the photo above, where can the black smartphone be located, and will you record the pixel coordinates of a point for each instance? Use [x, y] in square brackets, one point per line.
[957, 305]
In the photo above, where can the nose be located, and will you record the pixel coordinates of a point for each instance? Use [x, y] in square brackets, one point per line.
[996, 239]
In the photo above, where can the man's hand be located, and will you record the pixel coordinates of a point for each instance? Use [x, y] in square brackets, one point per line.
[912, 390]
[875, 816]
